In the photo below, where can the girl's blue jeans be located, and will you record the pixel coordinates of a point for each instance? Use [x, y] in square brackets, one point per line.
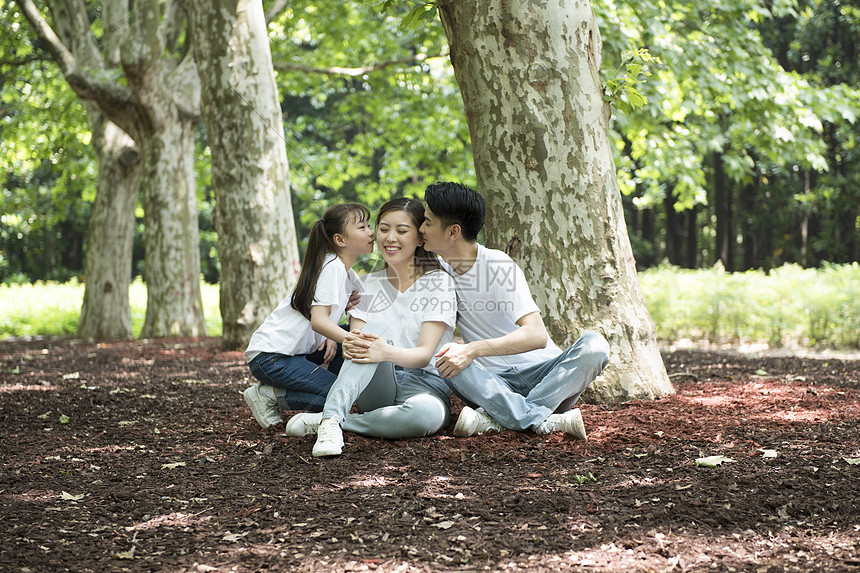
[301, 382]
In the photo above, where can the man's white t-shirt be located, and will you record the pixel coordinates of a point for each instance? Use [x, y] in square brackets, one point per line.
[431, 299]
[286, 331]
[491, 297]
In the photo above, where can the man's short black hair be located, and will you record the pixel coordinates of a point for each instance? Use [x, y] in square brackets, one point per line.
[456, 203]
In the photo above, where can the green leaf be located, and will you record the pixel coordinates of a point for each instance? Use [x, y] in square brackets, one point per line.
[64, 419]
[635, 98]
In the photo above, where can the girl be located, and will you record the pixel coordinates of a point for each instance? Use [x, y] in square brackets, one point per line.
[406, 313]
[280, 351]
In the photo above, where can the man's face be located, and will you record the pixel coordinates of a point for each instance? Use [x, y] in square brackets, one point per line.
[433, 231]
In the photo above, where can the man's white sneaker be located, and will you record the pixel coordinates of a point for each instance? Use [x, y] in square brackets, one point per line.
[304, 424]
[263, 403]
[329, 439]
[569, 422]
[472, 422]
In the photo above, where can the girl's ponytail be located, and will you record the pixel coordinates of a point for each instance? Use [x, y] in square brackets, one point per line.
[321, 243]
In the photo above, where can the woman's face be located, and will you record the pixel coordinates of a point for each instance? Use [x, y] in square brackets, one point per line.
[397, 237]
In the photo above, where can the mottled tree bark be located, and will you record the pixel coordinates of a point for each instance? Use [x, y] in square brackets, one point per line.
[105, 312]
[253, 214]
[528, 74]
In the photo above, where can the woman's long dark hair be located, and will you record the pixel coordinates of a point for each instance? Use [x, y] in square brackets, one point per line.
[424, 260]
[320, 243]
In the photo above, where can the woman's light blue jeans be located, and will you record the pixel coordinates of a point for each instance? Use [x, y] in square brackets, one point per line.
[392, 402]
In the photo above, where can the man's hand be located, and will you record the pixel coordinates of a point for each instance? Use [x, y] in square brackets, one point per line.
[354, 297]
[452, 359]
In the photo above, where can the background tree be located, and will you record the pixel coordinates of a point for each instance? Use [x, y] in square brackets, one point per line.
[253, 214]
[731, 137]
[529, 75]
[159, 110]
[372, 109]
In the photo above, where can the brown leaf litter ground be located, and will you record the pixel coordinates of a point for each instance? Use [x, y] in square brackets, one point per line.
[142, 456]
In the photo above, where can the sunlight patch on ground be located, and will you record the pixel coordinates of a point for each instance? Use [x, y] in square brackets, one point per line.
[27, 388]
[175, 519]
[371, 481]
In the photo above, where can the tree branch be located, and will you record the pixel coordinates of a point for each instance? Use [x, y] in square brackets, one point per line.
[355, 72]
[275, 10]
[25, 61]
[108, 95]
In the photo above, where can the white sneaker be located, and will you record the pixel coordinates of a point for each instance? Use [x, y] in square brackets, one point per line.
[569, 422]
[329, 439]
[304, 424]
[472, 422]
[263, 403]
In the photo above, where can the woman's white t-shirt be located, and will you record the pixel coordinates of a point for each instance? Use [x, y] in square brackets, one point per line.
[431, 299]
[286, 331]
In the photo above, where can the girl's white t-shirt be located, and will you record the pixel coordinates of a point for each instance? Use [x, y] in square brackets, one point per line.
[286, 331]
[431, 299]
[492, 296]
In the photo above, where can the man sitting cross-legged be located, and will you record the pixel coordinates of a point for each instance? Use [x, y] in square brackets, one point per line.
[507, 367]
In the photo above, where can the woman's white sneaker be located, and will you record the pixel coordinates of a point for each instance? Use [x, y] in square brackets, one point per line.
[304, 424]
[329, 439]
[473, 422]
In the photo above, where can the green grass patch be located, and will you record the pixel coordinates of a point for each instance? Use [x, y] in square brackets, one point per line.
[53, 309]
[788, 306]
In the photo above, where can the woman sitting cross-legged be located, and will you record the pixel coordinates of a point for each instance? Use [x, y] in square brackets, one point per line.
[406, 313]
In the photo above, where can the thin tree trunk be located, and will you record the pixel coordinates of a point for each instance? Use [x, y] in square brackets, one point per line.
[691, 241]
[106, 313]
[528, 74]
[749, 197]
[253, 212]
[674, 233]
[174, 304]
[723, 209]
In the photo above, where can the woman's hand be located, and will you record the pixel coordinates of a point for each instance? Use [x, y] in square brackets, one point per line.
[352, 343]
[366, 348]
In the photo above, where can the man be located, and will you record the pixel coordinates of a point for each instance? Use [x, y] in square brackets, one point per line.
[507, 366]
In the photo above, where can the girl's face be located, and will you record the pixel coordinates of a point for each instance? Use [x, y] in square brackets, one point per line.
[397, 237]
[358, 237]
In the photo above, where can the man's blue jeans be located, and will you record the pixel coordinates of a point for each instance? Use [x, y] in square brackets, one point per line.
[521, 398]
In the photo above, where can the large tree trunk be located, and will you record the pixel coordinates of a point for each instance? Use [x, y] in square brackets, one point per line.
[106, 313]
[168, 96]
[253, 213]
[528, 73]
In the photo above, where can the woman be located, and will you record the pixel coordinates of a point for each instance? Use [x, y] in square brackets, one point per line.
[406, 313]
